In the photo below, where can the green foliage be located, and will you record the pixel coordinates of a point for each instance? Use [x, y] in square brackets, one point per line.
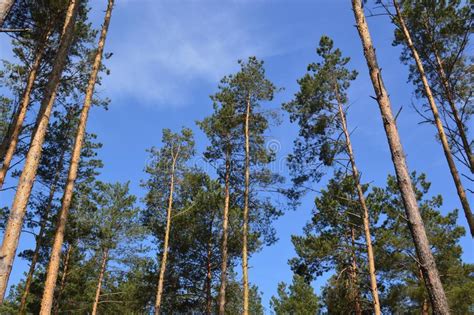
[298, 299]
[402, 288]
[315, 109]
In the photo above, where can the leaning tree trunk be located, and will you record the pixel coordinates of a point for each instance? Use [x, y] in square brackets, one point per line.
[17, 212]
[52, 275]
[360, 193]
[40, 237]
[5, 7]
[103, 266]
[415, 222]
[355, 277]
[225, 235]
[437, 120]
[164, 258]
[245, 275]
[454, 111]
[9, 144]
[62, 284]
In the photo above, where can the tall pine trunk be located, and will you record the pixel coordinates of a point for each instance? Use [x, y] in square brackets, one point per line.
[355, 277]
[17, 212]
[454, 111]
[360, 193]
[62, 284]
[40, 237]
[164, 258]
[103, 266]
[246, 213]
[225, 234]
[9, 144]
[415, 222]
[5, 7]
[52, 274]
[438, 123]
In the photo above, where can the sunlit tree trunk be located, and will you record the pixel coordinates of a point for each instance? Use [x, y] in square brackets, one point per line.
[437, 120]
[413, 216]
[164, 258]
[40, 236]
[360, 193]
[103, 266]
[5, 7]
[9, 144]
[53, 268]
[62, 284]
[17, 212]
[246, 213]
[225, 234]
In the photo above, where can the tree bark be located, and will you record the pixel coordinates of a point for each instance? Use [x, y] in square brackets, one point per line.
[439, 125]
[360, 193]
[5, 7]
[17, 212]
[103, 267]
[415, 222]
[246, 213]
[52, 274]
[355, 277]
[9, 144]
[63, 279]
[39, 238]
[164, 258]
[225, 235]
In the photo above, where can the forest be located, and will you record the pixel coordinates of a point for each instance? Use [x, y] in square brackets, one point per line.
[288, 192]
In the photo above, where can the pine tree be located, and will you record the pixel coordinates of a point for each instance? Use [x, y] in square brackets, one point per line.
[166, 170]
[15, 222]
[414, 219]
[115, 224]
[320, 109]
[298, 299]
[73, 168]
[440, 33]
[331, 241]
[404, 33]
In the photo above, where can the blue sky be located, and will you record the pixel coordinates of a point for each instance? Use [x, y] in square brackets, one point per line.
[170, 54]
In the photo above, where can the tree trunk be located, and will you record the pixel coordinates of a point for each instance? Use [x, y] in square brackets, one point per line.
[103, 266]
[164, 258]
[355, 277]
[415, 222]
[438, 123]
[360, 193]
[39, 238]
[225, 234]
[425, 307]
[246, 213]
[9, 144]
[63, 279]
[53, 267]
[17, 212]
[454, 110]
[5, 7]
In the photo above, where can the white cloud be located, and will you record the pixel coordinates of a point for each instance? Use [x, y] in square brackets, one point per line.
[163, 48]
